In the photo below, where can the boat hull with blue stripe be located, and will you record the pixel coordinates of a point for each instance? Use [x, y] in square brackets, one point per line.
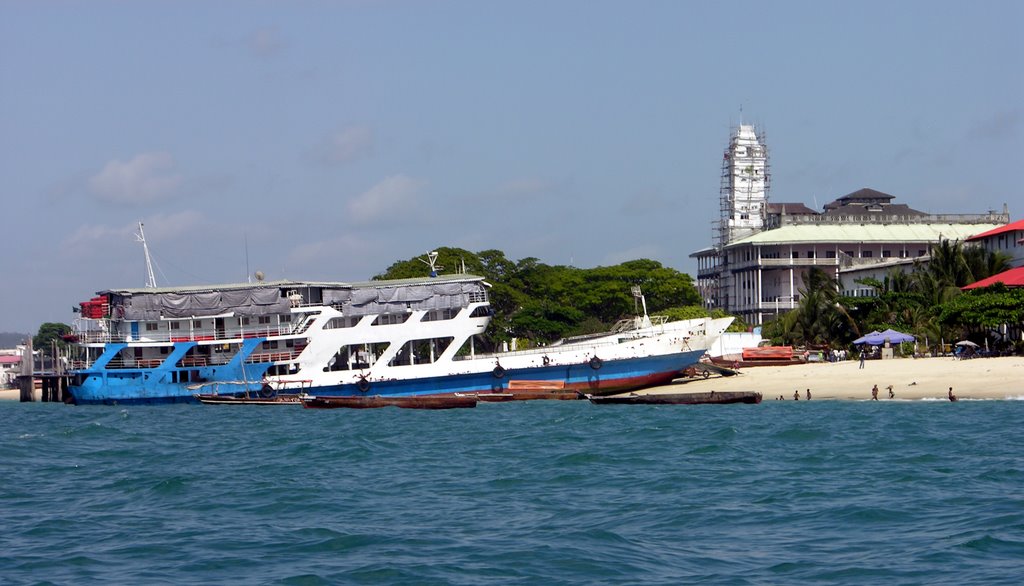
[408, 337]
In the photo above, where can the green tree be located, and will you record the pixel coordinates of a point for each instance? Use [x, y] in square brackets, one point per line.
[50, 333]
[819, 318]
[542, 302]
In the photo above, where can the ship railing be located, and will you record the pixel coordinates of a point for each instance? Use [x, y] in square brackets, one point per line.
[291, 386]
[542, 349]
[273, 356]
[99, 336]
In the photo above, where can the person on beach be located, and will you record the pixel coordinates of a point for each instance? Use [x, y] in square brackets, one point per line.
[861, 359]
[952, 397]
[874, 392]
[892, 395]
[808, 394]
[796, 395]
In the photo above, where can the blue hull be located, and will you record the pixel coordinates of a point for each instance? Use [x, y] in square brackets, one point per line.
[611, 377]
[156, 386]
[165, 383]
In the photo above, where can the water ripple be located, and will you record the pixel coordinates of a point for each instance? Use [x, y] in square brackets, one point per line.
[536, 492]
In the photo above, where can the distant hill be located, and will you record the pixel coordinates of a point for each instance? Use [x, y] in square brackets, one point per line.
[11, 339]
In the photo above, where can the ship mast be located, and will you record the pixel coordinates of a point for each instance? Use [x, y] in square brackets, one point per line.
[150, 277]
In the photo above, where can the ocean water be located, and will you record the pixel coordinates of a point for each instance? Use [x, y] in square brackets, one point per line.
[820, 492]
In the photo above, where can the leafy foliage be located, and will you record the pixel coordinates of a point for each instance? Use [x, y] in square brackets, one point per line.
[48, 333]
[927, 302]
[542, 303]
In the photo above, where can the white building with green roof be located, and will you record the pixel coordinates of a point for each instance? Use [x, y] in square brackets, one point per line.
[861, 234]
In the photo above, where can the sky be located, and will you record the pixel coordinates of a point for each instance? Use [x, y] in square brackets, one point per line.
[326, 140]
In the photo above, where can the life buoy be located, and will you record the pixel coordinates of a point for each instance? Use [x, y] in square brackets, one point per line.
[547, 361]
[706, 374]
[596, 363]
[363, 385]
[498, 372]
[266, 391]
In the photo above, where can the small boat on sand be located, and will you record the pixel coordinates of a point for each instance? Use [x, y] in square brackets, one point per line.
[376, 401]
[711, 397]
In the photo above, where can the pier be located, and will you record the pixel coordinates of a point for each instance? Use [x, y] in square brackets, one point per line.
[45, 388]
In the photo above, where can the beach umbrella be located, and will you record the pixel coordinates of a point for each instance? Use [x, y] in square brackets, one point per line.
[967, 343]
[864, 339]
[896, 337]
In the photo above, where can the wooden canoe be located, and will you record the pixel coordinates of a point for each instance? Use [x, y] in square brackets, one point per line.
[712, 397]
[377, 401]
[213, 399]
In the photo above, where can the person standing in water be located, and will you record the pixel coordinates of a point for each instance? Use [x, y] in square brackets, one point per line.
[874, 393]
[892, 395]
[952, 397]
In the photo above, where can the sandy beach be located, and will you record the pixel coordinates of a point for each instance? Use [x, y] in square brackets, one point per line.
[911, 379]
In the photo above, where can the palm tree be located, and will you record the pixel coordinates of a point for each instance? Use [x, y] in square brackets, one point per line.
[820, 318]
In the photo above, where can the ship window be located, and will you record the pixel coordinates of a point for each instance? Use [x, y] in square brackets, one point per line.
[264, 319]
[243, 321]
[341, 322]
[197, 323]
[356, 356]
[390, 319]
[421, 351]
[441, 314]
[286, 318]
[482, 311]
[152, 326]
[175, 325]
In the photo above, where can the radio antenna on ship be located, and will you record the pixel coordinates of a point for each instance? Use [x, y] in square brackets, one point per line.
[432, 263]
[150, 277]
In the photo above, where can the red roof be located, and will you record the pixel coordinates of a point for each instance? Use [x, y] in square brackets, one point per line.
[1018, 225]
[1011, 278]
[10, 359]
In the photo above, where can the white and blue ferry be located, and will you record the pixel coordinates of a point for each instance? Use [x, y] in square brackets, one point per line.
[392, 338]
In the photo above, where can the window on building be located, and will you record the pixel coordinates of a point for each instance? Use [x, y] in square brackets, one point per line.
[886, 253]
[920, 252]
[830, 254]
[867, 253]
[810, 254]
[796, 254]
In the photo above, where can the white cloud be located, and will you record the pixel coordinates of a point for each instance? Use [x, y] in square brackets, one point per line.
[391, 198]
[159, 227]
[346, 146]
[146, 178]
